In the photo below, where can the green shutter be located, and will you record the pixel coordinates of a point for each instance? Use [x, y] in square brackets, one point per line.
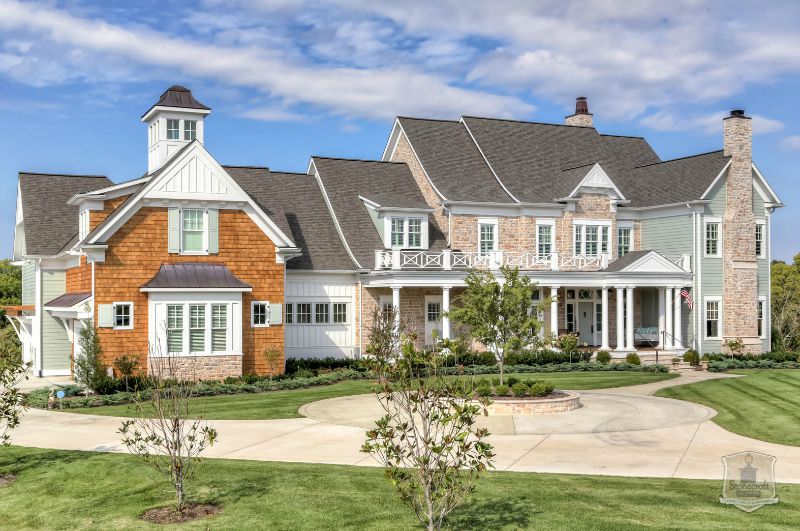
[174, 230]
[213, 231]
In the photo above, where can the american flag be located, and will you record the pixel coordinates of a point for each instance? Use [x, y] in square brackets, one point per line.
[686, 295]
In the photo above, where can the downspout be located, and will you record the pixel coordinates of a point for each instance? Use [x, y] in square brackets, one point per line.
[698, 279]
[360, 316]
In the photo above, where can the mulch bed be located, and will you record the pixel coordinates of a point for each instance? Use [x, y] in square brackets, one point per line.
[168, 515]
[551, 396]
[7, 479]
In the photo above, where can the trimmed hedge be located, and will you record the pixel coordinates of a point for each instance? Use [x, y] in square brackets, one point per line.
[555, 367]
[726, 365]
[38, 398]
[526, 357]
[316, 365]
[778, 357]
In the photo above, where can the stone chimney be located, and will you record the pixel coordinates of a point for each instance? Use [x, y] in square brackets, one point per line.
[582, 116]
[739, 267]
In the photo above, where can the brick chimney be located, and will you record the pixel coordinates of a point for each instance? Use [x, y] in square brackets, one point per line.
[582, 116]
[740, 268]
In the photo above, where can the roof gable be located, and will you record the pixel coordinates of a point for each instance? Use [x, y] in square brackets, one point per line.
[644, 262]
[597, 180]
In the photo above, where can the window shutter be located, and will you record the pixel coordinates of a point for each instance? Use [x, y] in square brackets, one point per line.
[105, 315]
[275, 314]
[213, 231]
[174, 230]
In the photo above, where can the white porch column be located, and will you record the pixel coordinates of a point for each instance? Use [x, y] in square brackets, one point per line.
[554, 311]
[668, 314]
[676, 322]
[396, 306]
[661, 317]
[604, 319]
[620, 319]
[445, 309]
[629, 319]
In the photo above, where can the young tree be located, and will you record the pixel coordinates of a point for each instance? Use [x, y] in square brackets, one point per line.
[500, 315]
[167, 433]
[786, 305]
[428, 442]
[88, 366]
[275, 361]
[10, 284]
[384, 335]
[12, 404]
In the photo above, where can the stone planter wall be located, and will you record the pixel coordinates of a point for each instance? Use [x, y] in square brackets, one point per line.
[534, 406]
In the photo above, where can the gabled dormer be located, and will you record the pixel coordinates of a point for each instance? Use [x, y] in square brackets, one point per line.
[174, 121]
[400, 227]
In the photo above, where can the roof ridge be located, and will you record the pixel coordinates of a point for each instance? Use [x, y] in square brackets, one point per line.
[624, 136]
[62, 174]
[581, 166]
[680, 158]
[429, 119]
[357, 160]
[245, 166]
[528, 122]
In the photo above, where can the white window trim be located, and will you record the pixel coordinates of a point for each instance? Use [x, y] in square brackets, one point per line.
[346, 313]
[288, 316]
[387, 235]
[233, 337]
[763, 299]
[581, 224]
[253, 314]
[489, 221]
[314, 313]
[329, 303]
[546, 223]
[205, 232]
[621, 225]
[706, 300]
[762, 222]
[122, 303]
[706, 221]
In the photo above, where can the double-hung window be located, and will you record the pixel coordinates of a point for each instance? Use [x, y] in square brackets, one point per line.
[406, 232]
[219, 328]
[623, 241]
[193, 233]
[289, 313]
[197, 328]
[434, 311]
[189, 129]
[713, 315]
[414, 232]
[123, 315]
[762, 333]
[713, 237]
[487, 236]
[760, 247]
[591, 239]
[398, 231]
[544, 239]
[175, 328]
[173, 129]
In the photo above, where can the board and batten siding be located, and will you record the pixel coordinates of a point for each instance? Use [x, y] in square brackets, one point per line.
[321, 340]
[29, 282]
[672, 236]
[56, 347]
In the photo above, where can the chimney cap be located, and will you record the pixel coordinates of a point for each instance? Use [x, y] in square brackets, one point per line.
[581, 105]
[738, 113]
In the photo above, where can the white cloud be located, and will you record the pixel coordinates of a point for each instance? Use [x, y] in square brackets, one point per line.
[791, 142]
[705, 123]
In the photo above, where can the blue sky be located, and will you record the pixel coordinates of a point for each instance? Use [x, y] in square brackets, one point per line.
[292, 78]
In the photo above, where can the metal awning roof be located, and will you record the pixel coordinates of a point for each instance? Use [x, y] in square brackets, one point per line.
[195, 276]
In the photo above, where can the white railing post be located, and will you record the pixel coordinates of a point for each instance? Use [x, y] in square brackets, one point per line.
[446, 263]
[378, 260]
[554, 261]
[396, 259]
[604, 261]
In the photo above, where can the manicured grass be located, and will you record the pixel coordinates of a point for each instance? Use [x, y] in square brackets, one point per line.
[284, 404]
[763, 404]
[82, 490]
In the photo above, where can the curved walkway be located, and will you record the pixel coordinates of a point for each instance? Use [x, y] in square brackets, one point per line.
[621, 432]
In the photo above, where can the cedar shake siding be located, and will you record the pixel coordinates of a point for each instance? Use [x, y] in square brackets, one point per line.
[135, 254]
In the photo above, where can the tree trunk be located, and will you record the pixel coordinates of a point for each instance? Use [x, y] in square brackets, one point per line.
[501, 360]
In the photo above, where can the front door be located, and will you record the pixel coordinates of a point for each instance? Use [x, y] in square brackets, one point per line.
[586, 322]
[433, 318]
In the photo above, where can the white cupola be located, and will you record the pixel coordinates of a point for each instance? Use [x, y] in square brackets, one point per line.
[174, 121]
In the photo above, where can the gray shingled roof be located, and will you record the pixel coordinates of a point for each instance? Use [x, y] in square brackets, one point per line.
[452, 161]
[621, 263]
[253, 181]
[529, 158]
[673, 181]
[68, 299]
[178, 96]
[191, 275]
[50, 223]
[388, 183]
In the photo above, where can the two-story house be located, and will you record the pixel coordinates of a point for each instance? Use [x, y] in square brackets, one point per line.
[217, 264]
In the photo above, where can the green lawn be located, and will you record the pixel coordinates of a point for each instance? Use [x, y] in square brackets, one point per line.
[284, 404]
[763, 404]
[83, 490]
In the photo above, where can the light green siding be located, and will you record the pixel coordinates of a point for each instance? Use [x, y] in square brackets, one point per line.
[56, 348]
[712, 267]
[760, 212]
[29, 282]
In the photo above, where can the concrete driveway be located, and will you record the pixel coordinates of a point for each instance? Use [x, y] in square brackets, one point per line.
[620, 432]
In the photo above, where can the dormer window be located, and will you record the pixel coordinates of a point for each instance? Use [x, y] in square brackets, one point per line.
[406, 232]
[173, 129]
[189, 129]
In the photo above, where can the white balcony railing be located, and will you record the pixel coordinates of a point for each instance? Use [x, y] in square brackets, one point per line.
[458, 260]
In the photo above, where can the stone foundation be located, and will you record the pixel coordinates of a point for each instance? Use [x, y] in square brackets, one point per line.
[534, 406]
[195, 367]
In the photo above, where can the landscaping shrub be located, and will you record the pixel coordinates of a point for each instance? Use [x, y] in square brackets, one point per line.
[633, 359]
[519, 389]
[468, 358]
[511, 380]
[483, 390]
[560, 367]
[314, 365]
[539, 389]
[501, 390]
[546, 357]
[604, 357]
[728, 364]
[691, 356]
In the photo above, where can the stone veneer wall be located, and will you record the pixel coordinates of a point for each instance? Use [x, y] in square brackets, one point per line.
[740, 268]
[196, 367]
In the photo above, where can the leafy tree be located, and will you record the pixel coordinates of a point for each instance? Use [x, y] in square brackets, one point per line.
[427, 441]
[167, 433]
[10, 283]
[384, 335]
[10, 347]
[89, 369]
[786, 305]
[12, 372]
[499, 314]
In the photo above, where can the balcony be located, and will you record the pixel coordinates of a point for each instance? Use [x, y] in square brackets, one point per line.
[447, 260]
